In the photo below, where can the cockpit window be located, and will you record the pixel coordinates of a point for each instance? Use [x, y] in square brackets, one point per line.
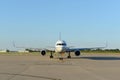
[63, 44]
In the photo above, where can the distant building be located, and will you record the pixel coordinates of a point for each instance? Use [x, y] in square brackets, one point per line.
[23, 51]
[4, 51]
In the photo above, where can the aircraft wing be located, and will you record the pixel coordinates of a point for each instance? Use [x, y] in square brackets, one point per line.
[74, 49]
[35, 49]
[92, 48]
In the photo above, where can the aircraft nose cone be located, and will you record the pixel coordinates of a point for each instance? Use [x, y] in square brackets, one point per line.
[60, 49]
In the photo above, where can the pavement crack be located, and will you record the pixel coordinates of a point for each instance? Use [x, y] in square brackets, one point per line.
[27, 75]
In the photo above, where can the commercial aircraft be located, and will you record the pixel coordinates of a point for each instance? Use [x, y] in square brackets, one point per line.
[62, 48]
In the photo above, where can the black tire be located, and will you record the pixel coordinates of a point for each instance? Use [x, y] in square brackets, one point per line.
[69, 57]
[60, 58]
[51, 56]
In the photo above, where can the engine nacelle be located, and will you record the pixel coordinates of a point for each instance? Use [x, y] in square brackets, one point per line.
[77, 53]
[43, 53]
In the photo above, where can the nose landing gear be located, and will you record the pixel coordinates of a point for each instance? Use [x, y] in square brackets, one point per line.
[61, 55]
[61, 58]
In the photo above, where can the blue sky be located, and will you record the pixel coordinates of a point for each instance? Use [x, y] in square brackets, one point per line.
[37, 23]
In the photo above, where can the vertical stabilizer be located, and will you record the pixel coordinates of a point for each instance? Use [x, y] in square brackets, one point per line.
[60, 36]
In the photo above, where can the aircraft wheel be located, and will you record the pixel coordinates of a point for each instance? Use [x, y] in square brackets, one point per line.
[51, 56]
[69, 57]
[60, 58]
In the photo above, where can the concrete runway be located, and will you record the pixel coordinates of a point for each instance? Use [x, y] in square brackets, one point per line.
[85, 67]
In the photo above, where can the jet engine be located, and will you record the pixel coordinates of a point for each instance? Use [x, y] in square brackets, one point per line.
[43, 52]
[77, 53]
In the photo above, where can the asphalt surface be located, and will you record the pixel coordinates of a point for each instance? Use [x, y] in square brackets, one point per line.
[85, 67]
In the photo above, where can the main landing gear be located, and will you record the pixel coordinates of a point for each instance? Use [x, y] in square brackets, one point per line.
[69, 56]
[51, 55]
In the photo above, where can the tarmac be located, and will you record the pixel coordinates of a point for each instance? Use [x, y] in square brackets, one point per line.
[85, 67]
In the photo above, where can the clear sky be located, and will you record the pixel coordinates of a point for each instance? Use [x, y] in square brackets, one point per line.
[37, 23]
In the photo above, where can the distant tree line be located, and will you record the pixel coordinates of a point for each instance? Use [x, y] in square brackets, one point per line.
[103, 50]
[89, 50]
[32, 50]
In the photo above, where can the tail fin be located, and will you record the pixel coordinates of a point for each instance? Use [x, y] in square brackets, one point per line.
[106, 44]
[14, 44]
[60, 36]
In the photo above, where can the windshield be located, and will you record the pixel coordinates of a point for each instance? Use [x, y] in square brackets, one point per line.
[63, 44]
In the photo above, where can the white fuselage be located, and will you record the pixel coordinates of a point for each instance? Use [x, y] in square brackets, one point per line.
[60, 46]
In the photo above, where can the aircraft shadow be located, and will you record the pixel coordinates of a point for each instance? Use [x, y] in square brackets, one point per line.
[97, 58]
